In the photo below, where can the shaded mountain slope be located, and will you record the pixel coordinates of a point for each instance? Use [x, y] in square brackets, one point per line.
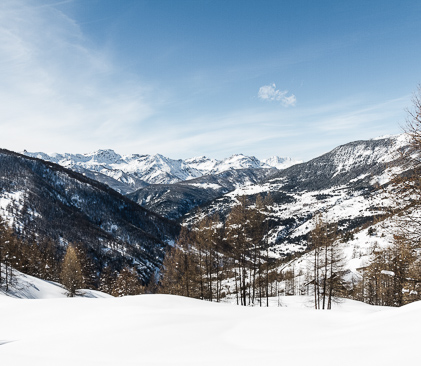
[42, 199]
[175, 200]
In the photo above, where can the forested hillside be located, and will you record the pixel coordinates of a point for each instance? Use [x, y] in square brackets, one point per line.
[45, 203]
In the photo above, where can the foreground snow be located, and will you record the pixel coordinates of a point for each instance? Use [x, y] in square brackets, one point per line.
[25, 286]
[171, 330]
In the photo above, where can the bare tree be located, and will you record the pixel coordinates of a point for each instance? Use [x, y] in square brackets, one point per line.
[406, 187]
[327, 264]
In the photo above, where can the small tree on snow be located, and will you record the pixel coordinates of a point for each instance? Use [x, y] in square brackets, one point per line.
[71, 272]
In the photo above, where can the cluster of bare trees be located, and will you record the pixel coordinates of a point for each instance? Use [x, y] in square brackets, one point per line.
[216, 258]
[327, 265]
[39, 258]
[7, 257]
[393, 276]
[213, 252]
[123, 283]
[72, 266]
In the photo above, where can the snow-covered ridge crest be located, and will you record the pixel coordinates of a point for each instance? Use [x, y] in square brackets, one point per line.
[136, 170]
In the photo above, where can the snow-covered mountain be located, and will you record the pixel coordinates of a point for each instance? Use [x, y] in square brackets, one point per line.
[127, 173]
[280, 163]
[175, 200]
[44, 200]
[340, 184]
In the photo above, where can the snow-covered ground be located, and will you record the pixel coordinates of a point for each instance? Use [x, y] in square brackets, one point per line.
[171, 330]
[28, 287]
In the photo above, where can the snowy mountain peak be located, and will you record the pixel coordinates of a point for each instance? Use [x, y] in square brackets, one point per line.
[107, 156]
[197, 160]
[281, 163]
[137, 170]
[240, 161]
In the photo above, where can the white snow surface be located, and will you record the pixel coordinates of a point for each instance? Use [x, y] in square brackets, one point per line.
[28, 287]
[157, 169]
[171, 330]
[281, 163]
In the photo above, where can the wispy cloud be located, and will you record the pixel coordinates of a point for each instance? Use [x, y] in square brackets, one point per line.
[56, 89]
[59, 92]
[270, 93]
[356, 116]
[302, 133]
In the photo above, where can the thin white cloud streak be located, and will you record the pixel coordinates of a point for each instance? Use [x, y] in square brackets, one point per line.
[300, 133]
[363, 116]
[56, 91]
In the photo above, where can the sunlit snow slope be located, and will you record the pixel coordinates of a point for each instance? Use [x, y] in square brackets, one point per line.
[169, 330]
[24, 286]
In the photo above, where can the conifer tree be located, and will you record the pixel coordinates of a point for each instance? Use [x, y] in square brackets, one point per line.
[127, 283]
[71, 272]
[8, 259]
[89, 270]
[170, 277]
[180, 273]
[393, 276]
[107, 280]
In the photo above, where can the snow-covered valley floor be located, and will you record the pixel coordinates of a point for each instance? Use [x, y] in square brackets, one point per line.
[171, 330]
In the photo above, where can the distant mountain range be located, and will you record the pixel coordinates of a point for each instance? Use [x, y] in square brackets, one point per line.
[54, 196]
[341, 184]
[127, 173]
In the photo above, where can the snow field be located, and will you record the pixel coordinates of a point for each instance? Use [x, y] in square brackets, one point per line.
[171, 330]
[28, 287]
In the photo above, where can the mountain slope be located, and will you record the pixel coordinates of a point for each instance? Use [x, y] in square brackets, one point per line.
[43, 199]
[348, 164]
[175, 200]
[340, 184]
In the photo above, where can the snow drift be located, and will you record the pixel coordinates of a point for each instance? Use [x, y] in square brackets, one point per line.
[171, 330]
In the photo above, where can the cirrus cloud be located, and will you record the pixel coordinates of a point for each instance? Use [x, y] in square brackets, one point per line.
[271, 94]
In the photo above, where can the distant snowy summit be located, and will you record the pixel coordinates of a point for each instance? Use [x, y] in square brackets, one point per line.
[138, 170]
[280, 163]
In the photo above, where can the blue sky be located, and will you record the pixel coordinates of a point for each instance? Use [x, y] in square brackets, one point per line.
[214, 78]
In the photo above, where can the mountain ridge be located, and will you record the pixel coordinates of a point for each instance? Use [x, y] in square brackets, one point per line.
[127, 173]
[40, 199]
[341, 184]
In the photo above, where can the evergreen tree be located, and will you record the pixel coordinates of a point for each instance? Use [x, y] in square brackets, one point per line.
[71, 272]
[180, 270]
[89, 269]
[127, 283]
[107, 280]
[405, 190]
[8, 257]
